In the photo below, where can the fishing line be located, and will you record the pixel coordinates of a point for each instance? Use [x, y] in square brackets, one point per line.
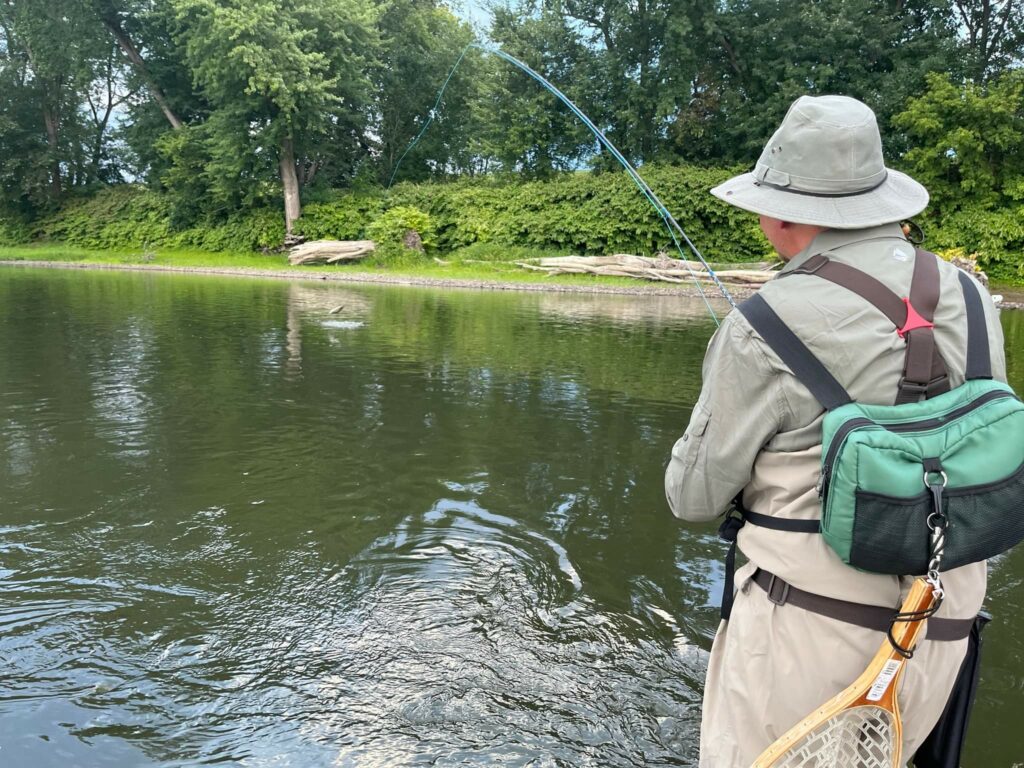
[430, 115]
[675, 231]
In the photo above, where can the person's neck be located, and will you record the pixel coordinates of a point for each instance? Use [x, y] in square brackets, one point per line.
[798, 238]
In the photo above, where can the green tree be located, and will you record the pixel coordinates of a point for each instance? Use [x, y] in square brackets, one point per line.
[993, 35]
[119, 17]
[526, 128]
[163, 96]
[968, 150]
[648, 56]
[421, 41]
[968, 141]
[773, 51]
[285, 80]
[49, 60]
[107, 93]
[23, 167]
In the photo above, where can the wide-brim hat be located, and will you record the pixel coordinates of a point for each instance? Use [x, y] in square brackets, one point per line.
[824, 166]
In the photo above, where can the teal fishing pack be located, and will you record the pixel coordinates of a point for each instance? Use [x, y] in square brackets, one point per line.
[941, 470]
[891, 473]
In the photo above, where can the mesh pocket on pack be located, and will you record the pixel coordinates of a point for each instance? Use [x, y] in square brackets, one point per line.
[890, 534]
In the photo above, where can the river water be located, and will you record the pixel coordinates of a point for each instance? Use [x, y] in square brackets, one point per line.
[426, 528]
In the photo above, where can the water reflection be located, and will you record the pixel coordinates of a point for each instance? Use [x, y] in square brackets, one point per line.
[619, 308]
[335, 307]
[118, 379]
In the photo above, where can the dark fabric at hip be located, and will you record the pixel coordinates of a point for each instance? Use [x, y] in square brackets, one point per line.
[944, 745]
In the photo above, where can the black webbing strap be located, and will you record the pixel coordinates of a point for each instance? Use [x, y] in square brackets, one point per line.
[782, 523]
[780, 592]
[876, 617]
[800, 360]
[729, 530]
[979, 362]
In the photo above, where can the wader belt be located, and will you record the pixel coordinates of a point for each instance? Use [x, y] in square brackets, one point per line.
[876, 617]
[924, 371]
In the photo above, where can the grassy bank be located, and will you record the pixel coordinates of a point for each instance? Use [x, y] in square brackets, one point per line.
[134, 256]
[490, 271]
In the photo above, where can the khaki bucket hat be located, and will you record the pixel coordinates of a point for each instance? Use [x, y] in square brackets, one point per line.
[824, 166]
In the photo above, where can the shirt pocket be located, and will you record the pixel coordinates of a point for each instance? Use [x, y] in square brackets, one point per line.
[693, 438]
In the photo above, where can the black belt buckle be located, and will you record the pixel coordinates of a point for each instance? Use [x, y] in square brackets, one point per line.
[914, 387]
[771, 590]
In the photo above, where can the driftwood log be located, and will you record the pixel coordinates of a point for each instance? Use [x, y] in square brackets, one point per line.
[329, 251]
[646, 268]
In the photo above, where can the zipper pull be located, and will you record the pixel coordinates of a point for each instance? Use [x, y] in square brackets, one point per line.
[822, 482]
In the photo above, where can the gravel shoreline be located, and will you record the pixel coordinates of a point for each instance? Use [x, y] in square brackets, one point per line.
[368, 278]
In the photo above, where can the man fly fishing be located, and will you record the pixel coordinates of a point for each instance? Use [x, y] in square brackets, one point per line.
[890, 326]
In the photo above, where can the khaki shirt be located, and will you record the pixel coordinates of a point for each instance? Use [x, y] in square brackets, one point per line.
[757, 429]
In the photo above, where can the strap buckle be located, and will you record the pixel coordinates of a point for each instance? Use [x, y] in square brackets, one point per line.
[783, 593]
[913, 387]
[917, 388]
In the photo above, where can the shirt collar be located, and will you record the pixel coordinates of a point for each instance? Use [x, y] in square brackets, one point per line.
[832, 239]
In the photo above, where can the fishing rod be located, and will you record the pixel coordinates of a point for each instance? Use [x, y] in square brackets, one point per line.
[675, 231]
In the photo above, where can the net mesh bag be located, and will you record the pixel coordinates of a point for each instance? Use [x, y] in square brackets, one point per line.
[862, 737]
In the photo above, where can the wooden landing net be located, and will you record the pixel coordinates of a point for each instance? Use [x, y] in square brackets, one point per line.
[860, 727]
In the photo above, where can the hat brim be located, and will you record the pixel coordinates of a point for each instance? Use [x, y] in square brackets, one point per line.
[899, 197]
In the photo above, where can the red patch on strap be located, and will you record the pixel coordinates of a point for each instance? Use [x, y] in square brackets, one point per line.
[913, 321]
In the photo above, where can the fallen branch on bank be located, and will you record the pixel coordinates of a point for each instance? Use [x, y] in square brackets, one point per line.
[329, 251]
[646, 268]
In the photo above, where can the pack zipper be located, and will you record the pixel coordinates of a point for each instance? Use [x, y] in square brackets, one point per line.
[912, 426]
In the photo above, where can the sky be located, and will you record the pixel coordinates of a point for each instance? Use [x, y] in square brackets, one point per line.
[473, 11]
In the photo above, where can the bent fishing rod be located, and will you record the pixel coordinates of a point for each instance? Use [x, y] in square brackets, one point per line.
[675, 231]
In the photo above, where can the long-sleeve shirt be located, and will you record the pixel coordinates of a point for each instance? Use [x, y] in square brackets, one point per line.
[757, 429]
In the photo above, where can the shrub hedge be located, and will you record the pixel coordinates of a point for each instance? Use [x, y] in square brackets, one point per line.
[583, 212]
[995, 237]
[14, 231]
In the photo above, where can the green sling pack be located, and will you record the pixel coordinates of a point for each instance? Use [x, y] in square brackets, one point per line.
[940, 461]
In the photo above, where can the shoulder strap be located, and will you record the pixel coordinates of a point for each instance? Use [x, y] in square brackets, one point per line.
[861, 283]
[979, 360]
[800, 360]
[924, 371]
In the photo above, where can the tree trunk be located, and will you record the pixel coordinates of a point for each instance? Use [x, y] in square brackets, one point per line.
[112, 23]
[51, 119]
[53, 143]
[290, 182]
